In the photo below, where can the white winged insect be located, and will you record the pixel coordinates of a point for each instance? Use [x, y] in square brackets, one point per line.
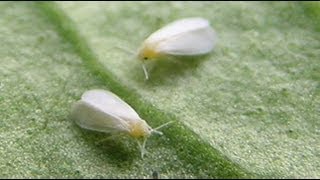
[103, 111]
[185, 37]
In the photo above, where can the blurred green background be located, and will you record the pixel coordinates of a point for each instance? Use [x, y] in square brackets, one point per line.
[251, 108]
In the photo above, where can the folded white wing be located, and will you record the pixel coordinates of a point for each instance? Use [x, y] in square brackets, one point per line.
[190, 36]
[103, 111]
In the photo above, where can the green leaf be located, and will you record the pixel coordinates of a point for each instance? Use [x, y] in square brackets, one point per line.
[248, 109]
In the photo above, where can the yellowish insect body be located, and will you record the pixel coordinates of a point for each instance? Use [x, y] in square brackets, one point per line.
[103, 111]
[147, 52]
[140, 129]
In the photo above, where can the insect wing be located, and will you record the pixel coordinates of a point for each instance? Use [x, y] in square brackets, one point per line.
[199, 41]
[110, 104]
[92, 118]
[188, 36]
[177, 27]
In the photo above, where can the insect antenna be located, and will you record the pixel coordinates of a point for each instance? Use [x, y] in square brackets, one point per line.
[155, 130]
[127, 50]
